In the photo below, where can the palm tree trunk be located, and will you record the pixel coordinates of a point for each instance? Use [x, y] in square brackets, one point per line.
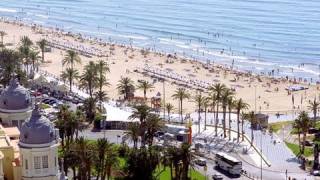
[42, 52]
[169, 115]
[303, 142]
[242, 124]
[205, 119]
[217, 120]
[251, 143]
[199, 117]
[314, 117]
[224, 121]
[74, 171]
[181, 111]
[229, 124]
[70, 84]
[299, 140]
[238, 126]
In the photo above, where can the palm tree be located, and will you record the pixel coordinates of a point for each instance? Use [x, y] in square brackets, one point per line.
[70, 75]
[206, 104]
[133, 133]
[213, 99]
[251, 116]
[153, 124]
[316, 150]
[186, 157]
[125, 87]
[25, 52]
[102, 68]
[240, 106]
[231, 105]
[111, 161]
[104, 158]
[169, 108]
[181, 94]
[314, 106]
[297, 126]
[10, 63]
[89, 105]
[26, 41]
[86, 154]
[145, 86]
[217, 89]
[141, 112]
[34, 58]
[101, 148]
[89, 78]
[171, 154]
[199, 99]
[42, 45]
[71, 58]
[2, 34]
[101, 96]
[304, 124]
[80, 118]
[225, 96]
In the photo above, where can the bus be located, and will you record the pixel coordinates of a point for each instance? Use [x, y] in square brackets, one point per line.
[228, 164]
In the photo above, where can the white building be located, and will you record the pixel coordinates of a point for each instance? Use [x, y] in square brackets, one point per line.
[15, 104]
[38, 144]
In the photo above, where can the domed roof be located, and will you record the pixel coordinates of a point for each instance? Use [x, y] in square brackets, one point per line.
[38, 130]
[15, 97]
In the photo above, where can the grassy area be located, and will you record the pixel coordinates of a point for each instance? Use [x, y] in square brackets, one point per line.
[275, 127]
[195, 175]
[295, 149]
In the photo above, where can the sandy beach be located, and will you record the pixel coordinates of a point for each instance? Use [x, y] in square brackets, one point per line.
[271, 94]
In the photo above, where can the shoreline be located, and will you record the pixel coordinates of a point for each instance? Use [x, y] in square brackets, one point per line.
[132, 56]
[225, 56]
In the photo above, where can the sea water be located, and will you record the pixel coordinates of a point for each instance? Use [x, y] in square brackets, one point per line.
[262, 36]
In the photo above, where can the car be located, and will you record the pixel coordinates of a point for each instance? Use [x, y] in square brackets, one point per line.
[159, 133]
[308, 143]
[217, 176]
[201, 162]
[316, 173]
[46, 101]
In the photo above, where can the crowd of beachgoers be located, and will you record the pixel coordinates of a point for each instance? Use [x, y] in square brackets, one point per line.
[262, 92]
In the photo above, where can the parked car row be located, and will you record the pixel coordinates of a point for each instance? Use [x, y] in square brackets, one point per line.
[52, 102]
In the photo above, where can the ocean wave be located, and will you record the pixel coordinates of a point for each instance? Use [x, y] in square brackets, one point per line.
[42, 16]
[8, 10]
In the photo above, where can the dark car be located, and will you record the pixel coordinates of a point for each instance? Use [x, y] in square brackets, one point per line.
[217, 176]
[308, 143]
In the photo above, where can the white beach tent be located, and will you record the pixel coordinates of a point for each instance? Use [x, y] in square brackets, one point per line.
[40, 80]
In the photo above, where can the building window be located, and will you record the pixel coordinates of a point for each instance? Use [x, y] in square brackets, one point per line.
[37, 162]
[45, 162]
[55, 162]
[26, 164]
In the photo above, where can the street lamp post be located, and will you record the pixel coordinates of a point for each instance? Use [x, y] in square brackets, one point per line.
[255, 98]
